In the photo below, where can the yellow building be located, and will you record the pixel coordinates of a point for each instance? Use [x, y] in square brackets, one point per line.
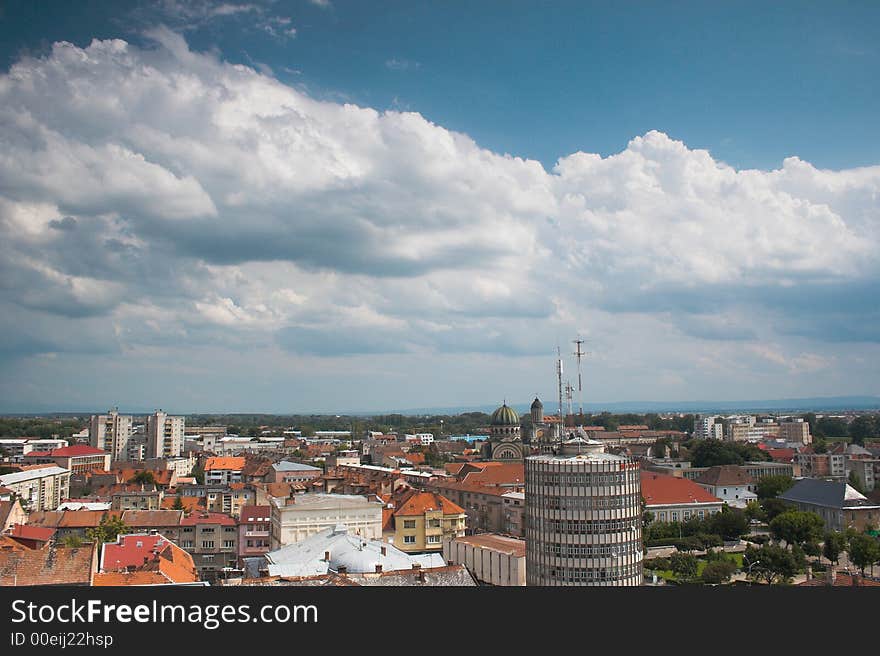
[424, 519]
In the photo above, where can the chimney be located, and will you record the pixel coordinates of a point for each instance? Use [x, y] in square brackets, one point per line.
[384, 551]
[417, 566]
[343, 569]
[326, 556]
[378, 568]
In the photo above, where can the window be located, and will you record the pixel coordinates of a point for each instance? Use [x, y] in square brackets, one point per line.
[207, 529]
[207, 544]
[187, 529]
[433, 539]
[409, 523]
[434, 523]
[409, 539]
[228, 544]
[674, 516]
[229, 529]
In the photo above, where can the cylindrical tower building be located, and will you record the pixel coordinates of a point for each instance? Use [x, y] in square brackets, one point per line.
[583, 517]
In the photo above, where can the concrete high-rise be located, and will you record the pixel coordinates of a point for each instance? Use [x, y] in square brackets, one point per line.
[164, 435]
[583, 517]
[111, 433]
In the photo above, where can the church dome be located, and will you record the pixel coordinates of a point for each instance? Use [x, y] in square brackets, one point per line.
[536, 404]
[505, 416]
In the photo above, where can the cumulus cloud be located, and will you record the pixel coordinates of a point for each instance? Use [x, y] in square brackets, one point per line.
[184, 200]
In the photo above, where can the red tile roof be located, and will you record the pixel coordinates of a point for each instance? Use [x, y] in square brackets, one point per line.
[782, 455]
[505, 473]
[422, 502]
[254, 513]
[52, 565]
[234, 463]
[77, 450]
[133, 549]
[27, 532]
[662, 490]
[841, 579]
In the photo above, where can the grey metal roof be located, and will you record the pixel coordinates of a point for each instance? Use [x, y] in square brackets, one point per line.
[285, 465]
[30, 474]
[353, 552]
[819, 492]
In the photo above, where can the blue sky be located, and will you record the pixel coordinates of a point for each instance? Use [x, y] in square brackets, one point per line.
[692, 186]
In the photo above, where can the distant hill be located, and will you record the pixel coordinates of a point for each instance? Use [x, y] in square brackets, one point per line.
[814, 404]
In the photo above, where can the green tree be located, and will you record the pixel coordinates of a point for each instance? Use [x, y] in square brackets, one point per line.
[72, 541]
[198, 473]
[835, 544]
[832, 427]
[770, 563]
[684, 565]
[772, 486]
[864, 426]
[178, 504]
[107, 530]
[864, 551]
[774, 507]
[730, 523]
[145, 477]
[754, 512]
[718, 571]
[797, 527]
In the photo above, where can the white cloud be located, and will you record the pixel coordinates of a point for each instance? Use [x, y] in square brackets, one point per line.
[165, 178]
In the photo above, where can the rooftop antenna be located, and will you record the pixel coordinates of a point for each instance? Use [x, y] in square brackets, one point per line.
[580, 354]
[569, 390]
[559, 385]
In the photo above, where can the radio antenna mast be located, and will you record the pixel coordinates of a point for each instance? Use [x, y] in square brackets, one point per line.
[559, 385]
[579, 354]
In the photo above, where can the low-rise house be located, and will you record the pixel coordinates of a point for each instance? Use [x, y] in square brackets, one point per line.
[212, 540]
[52, 565]
[68, 523]
[674, 499]
[254, 528]
[491, 559]
[730, 483]
[222, 470]
[839, 504]
[43, 488]
[134, 496]
[294, 472]
[145, 559]
[424, 519]
[11, 513]
[164, 522]
[33, 537]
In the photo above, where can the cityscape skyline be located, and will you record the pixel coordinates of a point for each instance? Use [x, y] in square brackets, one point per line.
[284, 206]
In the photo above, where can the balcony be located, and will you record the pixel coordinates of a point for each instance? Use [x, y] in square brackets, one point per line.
[256, 534]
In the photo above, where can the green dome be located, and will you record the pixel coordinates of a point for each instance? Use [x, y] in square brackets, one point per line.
[505, 416]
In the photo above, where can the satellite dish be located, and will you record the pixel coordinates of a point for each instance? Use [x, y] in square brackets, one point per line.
[615, 552]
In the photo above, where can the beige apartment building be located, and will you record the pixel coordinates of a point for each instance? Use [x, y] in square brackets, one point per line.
[295, 518]
[164, 435]
[424, 519]
[112, 433]
[39, 489]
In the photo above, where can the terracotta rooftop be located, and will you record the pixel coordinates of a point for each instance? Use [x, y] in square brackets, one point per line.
[500, 543]
[422, 502]
[512, 473]
[190, 504]
[77, 450]
[254, 513]
[234, 463]
[53, 565]
[841, 579]
[27, 532]
[170, 564]
[662, 490]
